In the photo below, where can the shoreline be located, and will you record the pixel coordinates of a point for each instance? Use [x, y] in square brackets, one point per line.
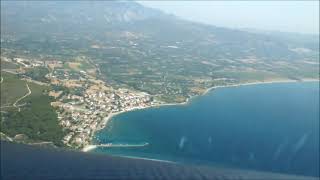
[261, 82]
[105, 121]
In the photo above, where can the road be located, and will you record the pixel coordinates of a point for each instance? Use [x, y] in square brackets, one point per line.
[15, 103]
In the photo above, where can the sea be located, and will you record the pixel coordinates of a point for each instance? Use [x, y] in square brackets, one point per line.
[264, 127]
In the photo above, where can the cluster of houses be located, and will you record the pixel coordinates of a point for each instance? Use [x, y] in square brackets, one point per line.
[82, 115]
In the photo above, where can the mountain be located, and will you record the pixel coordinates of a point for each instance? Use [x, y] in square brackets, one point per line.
[59, 17]
[148, 50]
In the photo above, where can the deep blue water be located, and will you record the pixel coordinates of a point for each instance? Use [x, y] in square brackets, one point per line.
[270, 127]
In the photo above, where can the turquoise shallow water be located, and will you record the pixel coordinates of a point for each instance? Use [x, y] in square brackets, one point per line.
[271, 127]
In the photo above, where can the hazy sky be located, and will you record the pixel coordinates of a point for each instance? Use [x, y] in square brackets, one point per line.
[288, 16]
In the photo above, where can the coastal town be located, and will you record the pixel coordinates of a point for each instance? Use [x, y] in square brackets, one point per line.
[83, 103]
[126, 89]
[83, 115]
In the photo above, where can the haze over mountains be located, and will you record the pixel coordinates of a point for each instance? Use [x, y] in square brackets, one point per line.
[148, 50]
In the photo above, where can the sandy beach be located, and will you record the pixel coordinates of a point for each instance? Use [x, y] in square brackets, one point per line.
[105, 121]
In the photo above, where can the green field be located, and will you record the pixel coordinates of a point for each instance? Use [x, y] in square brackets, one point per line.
[37, 118]
[12, 88]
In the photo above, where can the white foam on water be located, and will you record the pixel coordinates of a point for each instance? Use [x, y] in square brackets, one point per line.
[183, 140]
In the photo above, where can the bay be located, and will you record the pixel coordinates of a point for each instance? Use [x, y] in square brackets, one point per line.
[269, 127]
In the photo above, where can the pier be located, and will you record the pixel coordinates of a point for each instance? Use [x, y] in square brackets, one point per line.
[90, 147]
[122, 145]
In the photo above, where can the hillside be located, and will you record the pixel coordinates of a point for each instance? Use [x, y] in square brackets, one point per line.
[147, 50]
[27, 117]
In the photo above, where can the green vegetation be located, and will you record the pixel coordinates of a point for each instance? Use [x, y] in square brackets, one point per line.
[38, 74]
[12, 88]
[159, 54]
[85, 66]
[60, 88]
[245, 76]
[37, 119]
[167, 57]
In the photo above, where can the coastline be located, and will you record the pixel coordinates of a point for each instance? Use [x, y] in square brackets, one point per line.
[105, 121]
[101, 125]
[261, 82]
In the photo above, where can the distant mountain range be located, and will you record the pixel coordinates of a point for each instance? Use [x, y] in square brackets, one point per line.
[80, 14]
[91, 18]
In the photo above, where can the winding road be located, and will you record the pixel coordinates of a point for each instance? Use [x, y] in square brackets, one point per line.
[15, 103]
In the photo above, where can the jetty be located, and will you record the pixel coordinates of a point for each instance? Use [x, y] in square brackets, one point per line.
[110, 145]
[122, 145]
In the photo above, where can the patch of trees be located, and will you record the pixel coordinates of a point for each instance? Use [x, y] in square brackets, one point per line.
[38, 74]
[37, 120]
